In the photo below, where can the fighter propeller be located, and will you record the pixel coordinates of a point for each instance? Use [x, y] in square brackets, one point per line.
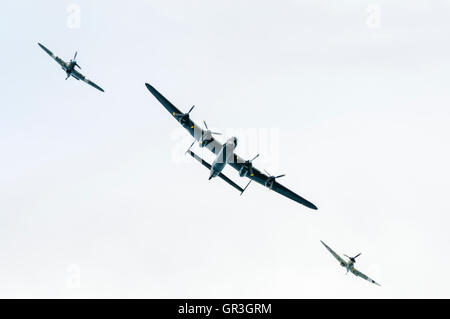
[352, 259]
[72, 64]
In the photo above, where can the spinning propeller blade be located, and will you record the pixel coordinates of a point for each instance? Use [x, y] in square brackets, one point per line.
[206, 126]
[352, 258]
[275, 177]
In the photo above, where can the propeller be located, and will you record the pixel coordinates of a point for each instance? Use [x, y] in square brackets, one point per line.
[183, 118]
[74, 60]
[247, 168]
[353, 259]
[253, 158]
[207, 136]
[274, 177]
[208, 130]
[269, 182]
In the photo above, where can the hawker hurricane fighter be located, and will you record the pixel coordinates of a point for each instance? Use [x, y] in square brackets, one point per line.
[225, 154]
[349, 264]
[69, 68]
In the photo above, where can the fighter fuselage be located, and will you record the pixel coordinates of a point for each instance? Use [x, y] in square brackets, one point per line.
[349, 265]
[69, 67]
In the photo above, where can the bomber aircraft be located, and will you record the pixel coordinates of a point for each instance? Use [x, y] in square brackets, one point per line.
[69, 68]
[349, 264]
[225, 154]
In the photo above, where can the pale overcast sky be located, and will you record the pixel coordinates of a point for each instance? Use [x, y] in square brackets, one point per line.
[350, 99]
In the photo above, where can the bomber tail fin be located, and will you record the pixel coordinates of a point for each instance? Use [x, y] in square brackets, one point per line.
[222, 176]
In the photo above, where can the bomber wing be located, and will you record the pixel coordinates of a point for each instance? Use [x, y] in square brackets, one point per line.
[356, 272]
[259, 177]
[54, 57]
[262, 179]
[193, 129]
[165, 102]
[339, 258]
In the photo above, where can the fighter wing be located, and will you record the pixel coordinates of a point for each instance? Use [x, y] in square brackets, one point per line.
[81, 77]
[356, 272]
[54, 57]
[341, 261]
[93, 84]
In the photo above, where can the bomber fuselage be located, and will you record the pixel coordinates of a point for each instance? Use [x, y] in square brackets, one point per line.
[225, 156]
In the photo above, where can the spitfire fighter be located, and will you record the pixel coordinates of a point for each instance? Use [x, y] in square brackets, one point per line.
[349, 264]
[225, 154]
[69, 68]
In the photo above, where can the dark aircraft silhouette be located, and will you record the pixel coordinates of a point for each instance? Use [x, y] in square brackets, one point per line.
[69, 68]
[349, 265]
[225, 154]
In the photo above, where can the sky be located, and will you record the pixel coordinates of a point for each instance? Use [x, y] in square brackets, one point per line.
[349, 99]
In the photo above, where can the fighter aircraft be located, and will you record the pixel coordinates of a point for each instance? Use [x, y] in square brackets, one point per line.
[349, 264]
[225, 154]
[69, 67]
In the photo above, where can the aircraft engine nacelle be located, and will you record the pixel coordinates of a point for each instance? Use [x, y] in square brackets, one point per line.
[269, 182]
[205, 139]
[235, 141]
[243, 171]
[183, 119]
[246, 169]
